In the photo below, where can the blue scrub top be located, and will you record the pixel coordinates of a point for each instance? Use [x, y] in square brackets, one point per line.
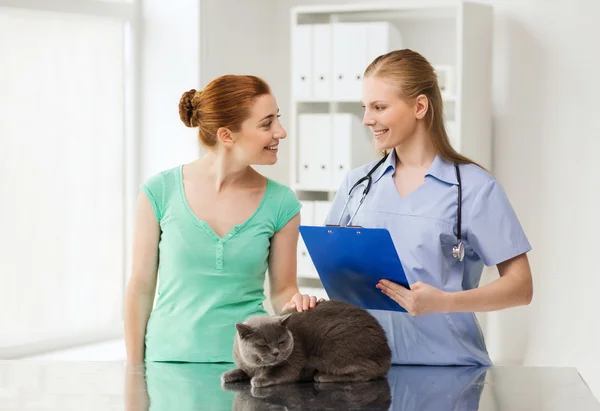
[423, 226]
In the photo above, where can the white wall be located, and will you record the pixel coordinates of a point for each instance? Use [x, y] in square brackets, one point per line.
[545, 85]
[546, 140]
[170, 66]
[242, 37]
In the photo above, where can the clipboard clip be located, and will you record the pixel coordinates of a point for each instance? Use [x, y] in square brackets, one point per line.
[352, 227]
[344, 226]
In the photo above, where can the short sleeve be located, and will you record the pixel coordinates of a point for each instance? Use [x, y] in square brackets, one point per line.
[289, 207]
[154, 189]
[337, 206]
[494, 231]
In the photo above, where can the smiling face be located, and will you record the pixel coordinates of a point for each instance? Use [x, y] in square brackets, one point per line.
[393, 120]
[257, 141]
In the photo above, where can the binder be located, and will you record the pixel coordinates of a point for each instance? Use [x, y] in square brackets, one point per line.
[305, 264]
[349, 60]
[302, 81]
[350, 262]
[321, 61]
[351, 146]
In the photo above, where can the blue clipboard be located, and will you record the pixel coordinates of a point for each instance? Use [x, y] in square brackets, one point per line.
[350, 262]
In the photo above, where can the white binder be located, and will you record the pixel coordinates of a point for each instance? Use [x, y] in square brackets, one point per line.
[305, 265]
[351, 146]
[355, 46]
[321, 46]
[382, 37]
[314, 138]
[302, 62]
[349, 58]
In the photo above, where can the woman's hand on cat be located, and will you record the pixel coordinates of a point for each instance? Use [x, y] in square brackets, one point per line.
[420, 299]
[302, 302]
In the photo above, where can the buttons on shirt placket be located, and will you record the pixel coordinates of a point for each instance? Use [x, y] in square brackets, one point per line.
[220, 255]
[220, 247]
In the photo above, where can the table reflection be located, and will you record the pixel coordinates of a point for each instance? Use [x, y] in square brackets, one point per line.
[187, 386]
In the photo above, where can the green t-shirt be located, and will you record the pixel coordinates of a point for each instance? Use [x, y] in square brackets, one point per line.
[207, 283]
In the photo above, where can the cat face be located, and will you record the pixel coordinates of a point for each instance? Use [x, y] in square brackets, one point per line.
[265, 341]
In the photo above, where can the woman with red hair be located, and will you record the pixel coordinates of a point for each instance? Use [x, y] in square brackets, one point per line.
[210, 229]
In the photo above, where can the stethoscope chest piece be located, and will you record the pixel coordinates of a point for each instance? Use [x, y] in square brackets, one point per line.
[458, 251]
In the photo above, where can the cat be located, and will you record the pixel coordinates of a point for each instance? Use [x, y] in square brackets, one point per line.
[333, 342]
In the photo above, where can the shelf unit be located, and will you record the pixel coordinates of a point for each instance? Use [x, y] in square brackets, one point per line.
[455, 36]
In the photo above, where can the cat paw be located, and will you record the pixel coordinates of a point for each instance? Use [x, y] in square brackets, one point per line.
[234, 376]
[263, 392]
[261, 382]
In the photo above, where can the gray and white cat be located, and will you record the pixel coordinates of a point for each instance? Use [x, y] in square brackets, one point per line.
[333, 342]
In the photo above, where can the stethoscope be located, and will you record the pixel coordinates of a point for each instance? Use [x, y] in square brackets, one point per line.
[458, 251]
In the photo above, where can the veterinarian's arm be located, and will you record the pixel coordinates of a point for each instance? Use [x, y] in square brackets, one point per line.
[283, 269]
[514, 287]
[139, 297]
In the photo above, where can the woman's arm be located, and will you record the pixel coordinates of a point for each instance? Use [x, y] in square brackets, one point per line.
[139, 297]
[513, 288]
[283, 270]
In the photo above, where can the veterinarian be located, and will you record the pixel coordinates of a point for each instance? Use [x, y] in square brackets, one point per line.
[448, 217]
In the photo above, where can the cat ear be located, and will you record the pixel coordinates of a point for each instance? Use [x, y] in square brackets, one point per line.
[284, 319]
[244, 330]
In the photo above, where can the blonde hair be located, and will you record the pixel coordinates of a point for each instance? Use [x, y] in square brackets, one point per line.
[413, 75]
